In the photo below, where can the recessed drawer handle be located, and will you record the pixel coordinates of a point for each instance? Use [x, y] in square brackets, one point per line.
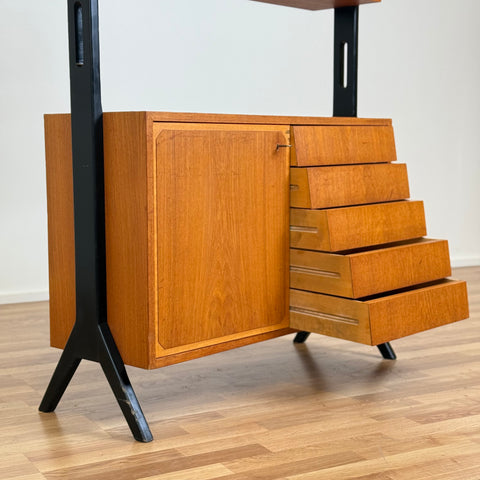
[313, 271]
[300, 228]
[282, 146]
[325, 316]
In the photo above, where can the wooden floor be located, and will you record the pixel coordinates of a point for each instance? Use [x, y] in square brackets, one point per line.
[328, 409]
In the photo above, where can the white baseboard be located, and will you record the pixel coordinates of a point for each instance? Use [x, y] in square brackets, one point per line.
[23, 297]
[465, 262]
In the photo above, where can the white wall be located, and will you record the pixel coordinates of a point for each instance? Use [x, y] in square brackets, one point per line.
[419, 65]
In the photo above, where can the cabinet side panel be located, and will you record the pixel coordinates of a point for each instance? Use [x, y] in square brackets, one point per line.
[61, 241]
[126, 234]
[125, 228]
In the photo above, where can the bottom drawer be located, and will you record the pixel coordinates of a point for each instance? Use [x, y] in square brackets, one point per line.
[380, 319]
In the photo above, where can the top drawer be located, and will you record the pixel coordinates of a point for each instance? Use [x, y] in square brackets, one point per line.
[323, 145]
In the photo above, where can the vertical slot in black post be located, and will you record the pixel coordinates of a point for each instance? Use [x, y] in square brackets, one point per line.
[79, 47]
[345, 58]
[344, 63]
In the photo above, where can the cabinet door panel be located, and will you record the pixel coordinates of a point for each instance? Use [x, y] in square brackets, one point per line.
[222, 218]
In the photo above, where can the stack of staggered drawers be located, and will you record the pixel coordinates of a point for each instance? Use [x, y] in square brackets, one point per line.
[359, 267]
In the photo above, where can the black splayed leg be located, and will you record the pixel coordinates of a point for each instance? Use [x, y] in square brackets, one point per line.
[301, 337]
[117, 377]
[98, 345]
[387, 351]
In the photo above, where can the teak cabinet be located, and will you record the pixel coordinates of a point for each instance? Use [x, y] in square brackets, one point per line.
[224, 230]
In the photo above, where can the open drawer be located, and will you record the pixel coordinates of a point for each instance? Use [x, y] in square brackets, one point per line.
[370, 271]
[383, 318]
[327, 187]
[346, 228]
[340, 145]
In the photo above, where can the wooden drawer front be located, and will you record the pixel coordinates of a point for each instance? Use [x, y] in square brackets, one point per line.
[346, 228]
[326, 187]
[382, 319]
[370, 272]
[342, 145]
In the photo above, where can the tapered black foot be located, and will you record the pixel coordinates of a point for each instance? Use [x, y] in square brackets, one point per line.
[66, 367]
[107, 354]
[301, 337]
[387, 351]
[114, 369]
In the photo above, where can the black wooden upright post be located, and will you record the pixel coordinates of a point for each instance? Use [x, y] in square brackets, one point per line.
[345, 62]
[90, 338]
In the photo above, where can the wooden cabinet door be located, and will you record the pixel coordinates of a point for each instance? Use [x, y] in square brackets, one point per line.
[222, 222]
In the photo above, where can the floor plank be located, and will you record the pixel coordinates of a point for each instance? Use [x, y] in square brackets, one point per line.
[327, 409]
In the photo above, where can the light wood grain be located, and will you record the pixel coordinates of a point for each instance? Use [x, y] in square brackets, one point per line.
[382, 319]
[61, 240]
[321, 272]
[370, 271]
[180, 117]
[328, 315]
[412, 263]
[326, 409]
[136, 245]
[327, 187]
[318, 4]
[347, 228]
[342, 145]
[222, 209]
[417, 310]
[126, 230]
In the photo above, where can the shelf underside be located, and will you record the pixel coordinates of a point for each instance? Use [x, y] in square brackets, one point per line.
[318, 4]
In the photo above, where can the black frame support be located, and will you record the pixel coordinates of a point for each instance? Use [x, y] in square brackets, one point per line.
[345, 83]
[345, 62]
[90, 338]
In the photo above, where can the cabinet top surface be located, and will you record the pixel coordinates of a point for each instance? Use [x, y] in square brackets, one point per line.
[247, 119]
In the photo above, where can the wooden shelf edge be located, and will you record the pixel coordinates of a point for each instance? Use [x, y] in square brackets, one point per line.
[318, 4]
